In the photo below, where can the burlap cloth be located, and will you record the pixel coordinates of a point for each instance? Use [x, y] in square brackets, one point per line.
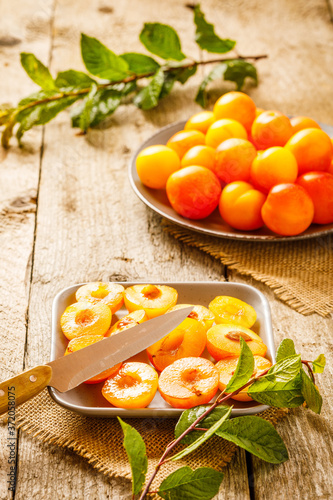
[100, 440]
[299, 272]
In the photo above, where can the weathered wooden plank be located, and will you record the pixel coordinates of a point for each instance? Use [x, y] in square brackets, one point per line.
[105, 244]
[21, 29]
[92, 226]
[288, 32]
[308, 437]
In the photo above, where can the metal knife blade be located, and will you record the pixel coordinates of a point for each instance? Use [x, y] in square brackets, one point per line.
[70, 371]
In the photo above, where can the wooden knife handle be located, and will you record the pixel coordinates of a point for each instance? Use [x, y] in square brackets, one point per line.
[19, 389]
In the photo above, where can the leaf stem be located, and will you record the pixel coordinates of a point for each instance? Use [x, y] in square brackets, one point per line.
[192, 427]
[307, 363]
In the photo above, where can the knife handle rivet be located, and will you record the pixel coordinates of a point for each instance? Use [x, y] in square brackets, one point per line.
[2, 393]
[33, 378]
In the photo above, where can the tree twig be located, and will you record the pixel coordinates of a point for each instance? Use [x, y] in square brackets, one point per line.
[221, 399]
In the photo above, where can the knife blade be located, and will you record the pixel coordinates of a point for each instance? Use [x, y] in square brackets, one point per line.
[68, 372]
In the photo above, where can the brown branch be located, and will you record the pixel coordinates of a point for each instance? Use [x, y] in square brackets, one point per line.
[133, 78]
[192, 427]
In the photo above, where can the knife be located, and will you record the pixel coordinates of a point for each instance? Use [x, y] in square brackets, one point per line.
[70, 371]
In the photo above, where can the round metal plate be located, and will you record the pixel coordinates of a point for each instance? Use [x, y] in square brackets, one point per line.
[213, 225]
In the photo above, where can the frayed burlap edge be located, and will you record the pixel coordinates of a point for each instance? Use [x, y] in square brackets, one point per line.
[207, 245]
[93, 445]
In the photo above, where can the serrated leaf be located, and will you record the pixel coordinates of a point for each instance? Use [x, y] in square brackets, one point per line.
[282, 386]
[189, 416]
[162, 40]
[286, 369]
[140, 64]
[149, 96]
[256, 435]
[203, 438]
[206, 37]
[285, 349]
[37, 71]
[136, 453]
[244, 368]
[312, 396]
[237, 70]
[186, 484]
[278, 394]
[318, 364]
[72, 79]
[41, 114]
[101, 61]
[216, 73]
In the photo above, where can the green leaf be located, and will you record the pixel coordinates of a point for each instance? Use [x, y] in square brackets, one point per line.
[5, 113]
[41, 114]
[205, 35]
[140, 64]
[318, 364]
[177, 75]
[286, 369]
[238, 70]
[169, 80]
[311, 394]
[278, 394]
[37, 71]
[233, 70]
[185, 73]
[7, 133]
[162, 40]
[282, 386]
[38, 96]
[244, 368]
[149, 96]
[256, 435]
[203, 438]
[101, 61]
[86, 115]
[186, 484]
[102, 104]
[216, 73]
[285, 349]
[136, 452]
[189, 416]
[72, 79]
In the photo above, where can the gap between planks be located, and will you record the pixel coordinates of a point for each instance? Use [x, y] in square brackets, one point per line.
[41, 153]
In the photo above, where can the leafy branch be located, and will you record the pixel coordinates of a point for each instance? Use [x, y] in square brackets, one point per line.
[284, 385]
[112, 80]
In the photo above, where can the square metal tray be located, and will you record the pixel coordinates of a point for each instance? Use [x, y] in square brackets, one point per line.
[88, 400]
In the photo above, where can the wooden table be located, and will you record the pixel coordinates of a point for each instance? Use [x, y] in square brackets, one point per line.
[67, 214]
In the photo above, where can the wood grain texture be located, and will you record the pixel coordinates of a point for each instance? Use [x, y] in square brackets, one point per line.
[308, 437]
[21, 29]
[91, 226]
